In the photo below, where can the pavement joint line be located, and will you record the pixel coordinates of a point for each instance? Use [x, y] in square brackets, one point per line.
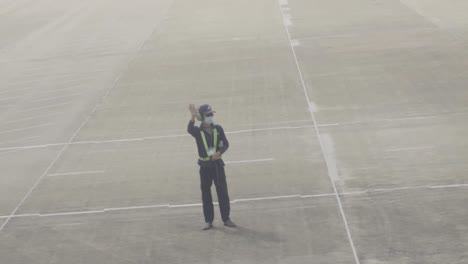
[391, 119]
[136, 207]
[266, 198]
[410, 148]
[240, 200]
[310, 107]
[59, 154]
[268, 129]
[248, 161]
[146, 138]
[227, 132]
[419, 12]
[114, 83]
[449, 186]
[75, 173]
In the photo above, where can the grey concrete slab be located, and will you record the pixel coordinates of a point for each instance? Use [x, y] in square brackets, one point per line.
[250, 83]
[446, 15]
[252, 69]
[316, 18]
[412, 226]
[194, 22]
[38, 17]
[399, 153]
[164, 171]
[389, 101]
[386, 81]
[62, 60]
[18, 176]
[385, 75]
[268, 233]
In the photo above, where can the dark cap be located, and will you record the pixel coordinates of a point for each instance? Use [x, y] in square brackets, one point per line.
[205, 109]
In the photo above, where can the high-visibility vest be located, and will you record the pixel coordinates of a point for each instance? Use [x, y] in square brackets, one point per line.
[205, 143]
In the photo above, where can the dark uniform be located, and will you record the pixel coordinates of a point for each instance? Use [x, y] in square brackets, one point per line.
[211, 171]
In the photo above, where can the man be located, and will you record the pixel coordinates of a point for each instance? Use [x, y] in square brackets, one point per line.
[212, 143]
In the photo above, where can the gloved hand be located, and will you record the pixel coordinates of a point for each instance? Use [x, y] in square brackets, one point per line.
[216, 156]
[193, 111]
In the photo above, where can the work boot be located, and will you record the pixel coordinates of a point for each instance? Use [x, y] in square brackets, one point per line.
[208, 226]
[229, 223]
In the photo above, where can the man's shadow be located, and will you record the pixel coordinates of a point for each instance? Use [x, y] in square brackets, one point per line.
[252, 235]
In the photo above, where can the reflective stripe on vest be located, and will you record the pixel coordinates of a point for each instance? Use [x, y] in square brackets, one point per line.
[215, 145]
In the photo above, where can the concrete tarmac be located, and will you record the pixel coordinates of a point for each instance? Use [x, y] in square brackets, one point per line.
[347, 124]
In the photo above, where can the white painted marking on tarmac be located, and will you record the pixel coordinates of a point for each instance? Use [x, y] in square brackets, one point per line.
[37, 146]
[78, 130]
[397, 189]
[72, 213]
[317, 195]
[313, 107]
[59, 154]
[136, 207]
[18, 216]
[404, 188]
[75, 173]
[295, 43]
[412, 148]
[249, 161]
[448, 186]
[240, 200]
[330, 156]
[392, 119]
[186, 205]
[268, 129]
[149, 138]
[266, 198]
[433, 20]
[227, 132]
[287, 20]
[330, 169]
[328, 125]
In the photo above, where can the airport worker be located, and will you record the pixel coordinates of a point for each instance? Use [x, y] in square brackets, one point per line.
[211, 143]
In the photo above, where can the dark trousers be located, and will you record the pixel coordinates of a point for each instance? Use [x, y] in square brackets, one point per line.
[215, 174]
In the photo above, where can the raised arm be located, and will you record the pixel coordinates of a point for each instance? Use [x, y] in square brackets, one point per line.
[191, 128]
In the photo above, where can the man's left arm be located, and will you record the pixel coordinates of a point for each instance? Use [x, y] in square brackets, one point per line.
[223, 138]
